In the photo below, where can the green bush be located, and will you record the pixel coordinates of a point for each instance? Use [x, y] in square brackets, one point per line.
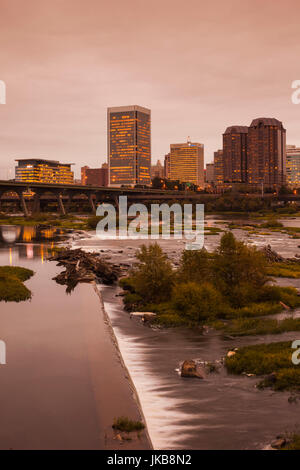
[196, 302]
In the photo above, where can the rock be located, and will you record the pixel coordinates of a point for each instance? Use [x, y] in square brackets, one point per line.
[271, 255]
[231, 353]
[189, 369]
[278, 443]
[137, 314]
[148, 317]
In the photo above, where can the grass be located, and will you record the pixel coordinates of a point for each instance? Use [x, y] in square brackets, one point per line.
[263, 359]
[283, 269]
[125, 424]
[11, 283]
[62, 221]
[261, 326]
[293, 442]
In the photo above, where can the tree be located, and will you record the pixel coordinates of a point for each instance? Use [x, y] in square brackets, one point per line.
[195, 265]
[239, 270]
[153, 277]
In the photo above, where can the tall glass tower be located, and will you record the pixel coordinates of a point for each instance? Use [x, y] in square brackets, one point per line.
[129, 145]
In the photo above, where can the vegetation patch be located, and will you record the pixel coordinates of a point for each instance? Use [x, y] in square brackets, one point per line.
[259, 326]
[292, 443]
[284, 269]
[125, 424]
[274, 359]
[11, 283]
[231, 283]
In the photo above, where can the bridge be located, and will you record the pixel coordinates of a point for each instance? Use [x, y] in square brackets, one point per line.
[64, 194]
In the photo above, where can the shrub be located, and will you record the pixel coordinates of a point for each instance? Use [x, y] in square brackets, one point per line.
[196, 302]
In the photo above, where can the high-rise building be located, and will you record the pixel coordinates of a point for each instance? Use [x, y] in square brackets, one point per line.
[266, 154]
[187, 163]
[218, 167]
[38, 170]
[235, 154]
[210, 173]
[167, 166]
[157, 170]
[129, 145]
[94, 176]
[293, 165]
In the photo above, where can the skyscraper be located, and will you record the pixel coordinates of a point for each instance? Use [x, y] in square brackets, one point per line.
[266, 153]
[235, 154]
[129, 145]
[293, 165]
[167, 166]
[210, 173]
[218, 167]
[187, 163]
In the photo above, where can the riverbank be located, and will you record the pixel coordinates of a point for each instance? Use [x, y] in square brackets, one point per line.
[64, 382]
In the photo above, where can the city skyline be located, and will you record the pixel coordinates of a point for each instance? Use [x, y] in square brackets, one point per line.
[65, 65]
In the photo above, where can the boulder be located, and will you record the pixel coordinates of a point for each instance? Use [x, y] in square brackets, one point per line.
[189, 369]
[149, 317]
[278, 443]
[231, 353]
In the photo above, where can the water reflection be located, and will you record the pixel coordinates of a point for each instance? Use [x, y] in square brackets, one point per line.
[10, 234]
[28, 242]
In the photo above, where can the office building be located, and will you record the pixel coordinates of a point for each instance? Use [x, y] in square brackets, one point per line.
[129, 145]
[293, 165]
[37, 170]
[210, 173]
[218, 168]
[235, 154]
[187, 163]
[94, 176]
[266, 152]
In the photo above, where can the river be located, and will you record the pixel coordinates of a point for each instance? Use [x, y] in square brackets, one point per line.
[220, 412]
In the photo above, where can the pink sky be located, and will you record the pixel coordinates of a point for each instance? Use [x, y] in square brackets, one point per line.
[199, 66]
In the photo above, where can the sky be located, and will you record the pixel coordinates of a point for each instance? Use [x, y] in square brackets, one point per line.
[199, 66]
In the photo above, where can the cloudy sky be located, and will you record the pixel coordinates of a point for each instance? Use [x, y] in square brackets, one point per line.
[200, 66]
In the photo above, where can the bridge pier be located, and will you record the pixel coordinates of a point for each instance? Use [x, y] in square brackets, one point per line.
[36, 203]
[23, 204]
[61, 206]
[92, 203]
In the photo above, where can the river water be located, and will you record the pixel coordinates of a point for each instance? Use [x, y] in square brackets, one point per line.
[221, 412]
